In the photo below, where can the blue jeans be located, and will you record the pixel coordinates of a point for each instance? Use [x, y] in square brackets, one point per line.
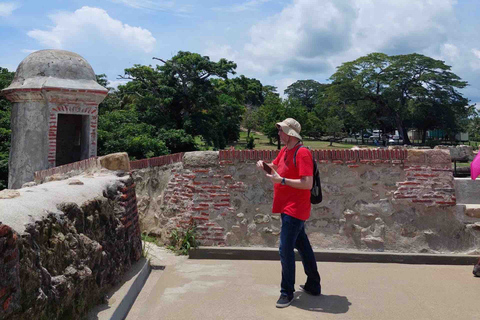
[293, 236]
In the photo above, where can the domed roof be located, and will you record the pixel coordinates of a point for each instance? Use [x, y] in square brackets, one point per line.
[54, 69]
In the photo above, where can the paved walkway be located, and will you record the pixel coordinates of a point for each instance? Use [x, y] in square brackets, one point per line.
[235, 289]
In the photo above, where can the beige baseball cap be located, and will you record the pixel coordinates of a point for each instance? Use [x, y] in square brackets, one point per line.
[290, 127]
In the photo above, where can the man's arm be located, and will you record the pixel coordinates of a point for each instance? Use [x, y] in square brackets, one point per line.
[302, 183]
[260, 165]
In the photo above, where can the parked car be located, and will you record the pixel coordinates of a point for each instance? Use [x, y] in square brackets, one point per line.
[395, 139]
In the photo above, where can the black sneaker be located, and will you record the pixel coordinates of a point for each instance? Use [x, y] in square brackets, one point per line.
[284, 301]
[313, 293]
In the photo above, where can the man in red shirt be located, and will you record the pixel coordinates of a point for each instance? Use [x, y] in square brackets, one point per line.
[292, 183]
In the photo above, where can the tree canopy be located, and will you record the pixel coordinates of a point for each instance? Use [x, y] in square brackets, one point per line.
[6, 78]
[401, 88]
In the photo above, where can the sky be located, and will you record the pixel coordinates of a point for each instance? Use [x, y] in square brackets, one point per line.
[276, 42]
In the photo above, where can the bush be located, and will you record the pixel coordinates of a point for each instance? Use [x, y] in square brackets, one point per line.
[177, 140]
[250, 142]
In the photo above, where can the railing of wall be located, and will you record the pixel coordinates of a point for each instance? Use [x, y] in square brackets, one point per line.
[323, 156]
[157, 161]
[320, 155]
[79, 165]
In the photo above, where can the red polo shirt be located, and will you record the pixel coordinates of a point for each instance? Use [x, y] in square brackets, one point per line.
[288, 200]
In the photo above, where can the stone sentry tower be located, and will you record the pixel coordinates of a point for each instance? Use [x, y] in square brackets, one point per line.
[55, 113]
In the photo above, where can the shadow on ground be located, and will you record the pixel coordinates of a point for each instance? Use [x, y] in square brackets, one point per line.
[324, 303]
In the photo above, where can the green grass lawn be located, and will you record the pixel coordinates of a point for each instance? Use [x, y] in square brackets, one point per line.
[262, 143]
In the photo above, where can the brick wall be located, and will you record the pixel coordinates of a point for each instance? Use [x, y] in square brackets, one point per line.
[62, 263]
[9, 270]
[129, 218]
[374, 199]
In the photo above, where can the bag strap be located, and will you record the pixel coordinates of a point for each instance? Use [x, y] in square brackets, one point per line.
[295, 155]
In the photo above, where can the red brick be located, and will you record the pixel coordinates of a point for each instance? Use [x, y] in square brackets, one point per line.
[218, 228]
[425, 175]
[221, 204]
[353, 166]
[408, 183]
[337, 162]
[227, 177]
[210, 224]
[350, 161]
[201, 171]
[198, 209]
[205, 214]
[4, 230]
[211, 187]
[450, 203]
[189, 176]
[203, 204]
[200, 218]
[223, 214]
[7, 303]
[423, 201]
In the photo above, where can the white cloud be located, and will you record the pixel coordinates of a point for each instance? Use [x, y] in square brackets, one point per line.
[28, 51]
[450, 50]
[6, 8]
[283, 84]
[248, 5]
[89, 26]
[147, 4]
[115, 83]
[316, 36]
[476, 52]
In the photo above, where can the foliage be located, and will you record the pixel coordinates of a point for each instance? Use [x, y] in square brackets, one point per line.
[307, 92]
[6, 78]
[333, 125]
[271, 112]
[250, 142]
[182, 240]
[121, 131]
[177, 140]
[179, 95]
[402, 88]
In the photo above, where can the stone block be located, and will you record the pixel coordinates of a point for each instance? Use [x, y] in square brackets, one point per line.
[438, 157]
[416, 156]
[200, 159]
[9, 194]
[472, 210]
[115, 161]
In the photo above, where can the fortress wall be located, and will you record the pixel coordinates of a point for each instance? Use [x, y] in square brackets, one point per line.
[64, 243]
[381, 199]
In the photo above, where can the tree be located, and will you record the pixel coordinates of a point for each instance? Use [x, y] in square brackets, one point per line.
[120, 131]
[333, 125]
[6, 78]
[396, 85]
[305, 91]
[180, 95]
[271, 112]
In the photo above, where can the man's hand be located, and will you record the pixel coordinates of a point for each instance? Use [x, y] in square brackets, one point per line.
[260, 164]
[274, 177]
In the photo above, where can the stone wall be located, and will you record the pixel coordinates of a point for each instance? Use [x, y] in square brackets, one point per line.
[63, 244]
[380, 199]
